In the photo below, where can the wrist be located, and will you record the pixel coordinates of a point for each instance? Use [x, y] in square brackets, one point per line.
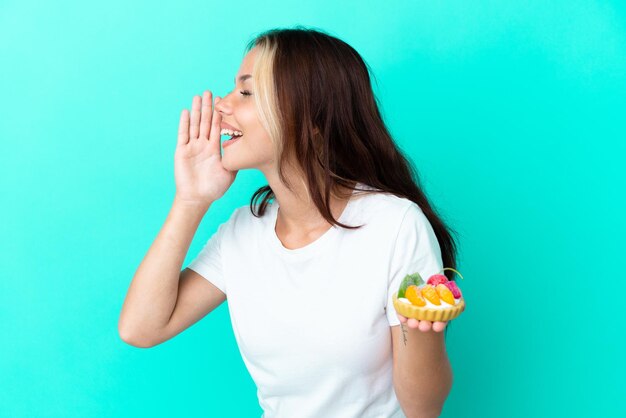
[195, 206]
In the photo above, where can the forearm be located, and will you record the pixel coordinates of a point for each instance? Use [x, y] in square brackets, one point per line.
[152, 294]
[423, 375]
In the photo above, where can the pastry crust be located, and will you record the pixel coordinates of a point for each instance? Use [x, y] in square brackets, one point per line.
[424, 313]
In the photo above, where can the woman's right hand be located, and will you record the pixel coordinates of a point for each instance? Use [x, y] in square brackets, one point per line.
[199, 174]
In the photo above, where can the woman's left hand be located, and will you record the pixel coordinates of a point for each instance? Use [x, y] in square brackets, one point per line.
[423, 326]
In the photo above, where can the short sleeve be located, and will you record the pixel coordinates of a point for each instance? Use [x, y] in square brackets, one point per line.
[416, 250]
[208, 262]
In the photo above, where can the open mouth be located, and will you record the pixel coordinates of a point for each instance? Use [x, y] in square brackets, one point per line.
[231, 140]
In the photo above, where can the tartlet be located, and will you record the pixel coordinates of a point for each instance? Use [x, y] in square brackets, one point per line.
[439, 299]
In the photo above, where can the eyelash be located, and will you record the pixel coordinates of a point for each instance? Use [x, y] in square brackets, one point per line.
[245, 93]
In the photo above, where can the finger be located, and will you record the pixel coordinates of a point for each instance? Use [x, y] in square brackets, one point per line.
[183, 128]
[439, 326]
[205, 118]
[194, 129]
[413, 323]
[401, 318]
[425, 326]
[214, 135]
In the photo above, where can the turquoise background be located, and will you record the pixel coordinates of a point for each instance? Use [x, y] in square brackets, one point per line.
[514, 115]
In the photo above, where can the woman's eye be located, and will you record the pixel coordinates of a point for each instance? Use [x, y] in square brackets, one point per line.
[245, 93]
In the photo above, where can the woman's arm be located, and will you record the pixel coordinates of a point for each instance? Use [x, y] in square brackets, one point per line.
[422, 374]
[153, 292]
[200, 179]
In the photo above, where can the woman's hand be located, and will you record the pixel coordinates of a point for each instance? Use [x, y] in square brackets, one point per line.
[423, 326]
[199, 174]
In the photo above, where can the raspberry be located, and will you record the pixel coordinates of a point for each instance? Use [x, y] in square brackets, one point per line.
[436, 279]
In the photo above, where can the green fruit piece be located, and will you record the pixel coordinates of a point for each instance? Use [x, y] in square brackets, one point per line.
[408, 280]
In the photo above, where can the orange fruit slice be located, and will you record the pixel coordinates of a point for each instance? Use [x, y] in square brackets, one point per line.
[414, 295]
[445, 293]
[429, 292]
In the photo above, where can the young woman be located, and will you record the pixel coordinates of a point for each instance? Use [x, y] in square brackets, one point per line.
[310, 271]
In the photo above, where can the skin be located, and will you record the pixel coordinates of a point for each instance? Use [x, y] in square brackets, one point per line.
[299, 221]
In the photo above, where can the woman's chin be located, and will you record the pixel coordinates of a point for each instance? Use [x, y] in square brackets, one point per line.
[232, 163]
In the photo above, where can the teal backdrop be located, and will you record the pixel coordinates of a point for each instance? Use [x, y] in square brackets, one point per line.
[514, 115]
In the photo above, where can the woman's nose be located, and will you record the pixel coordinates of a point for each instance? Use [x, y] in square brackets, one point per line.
[223, 105]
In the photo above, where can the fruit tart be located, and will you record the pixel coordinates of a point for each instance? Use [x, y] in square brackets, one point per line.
[439, 299]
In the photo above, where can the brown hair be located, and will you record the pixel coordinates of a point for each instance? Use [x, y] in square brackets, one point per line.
[315, 100]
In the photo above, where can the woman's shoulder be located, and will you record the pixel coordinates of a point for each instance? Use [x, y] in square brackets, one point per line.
[389, 204]
[246, 217]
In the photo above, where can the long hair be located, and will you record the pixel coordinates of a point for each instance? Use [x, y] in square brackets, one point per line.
[315, 100]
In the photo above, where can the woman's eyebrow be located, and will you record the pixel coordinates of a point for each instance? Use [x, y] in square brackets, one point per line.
[243, 77]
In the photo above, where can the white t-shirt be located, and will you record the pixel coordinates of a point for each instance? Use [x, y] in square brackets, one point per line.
[313, 324]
